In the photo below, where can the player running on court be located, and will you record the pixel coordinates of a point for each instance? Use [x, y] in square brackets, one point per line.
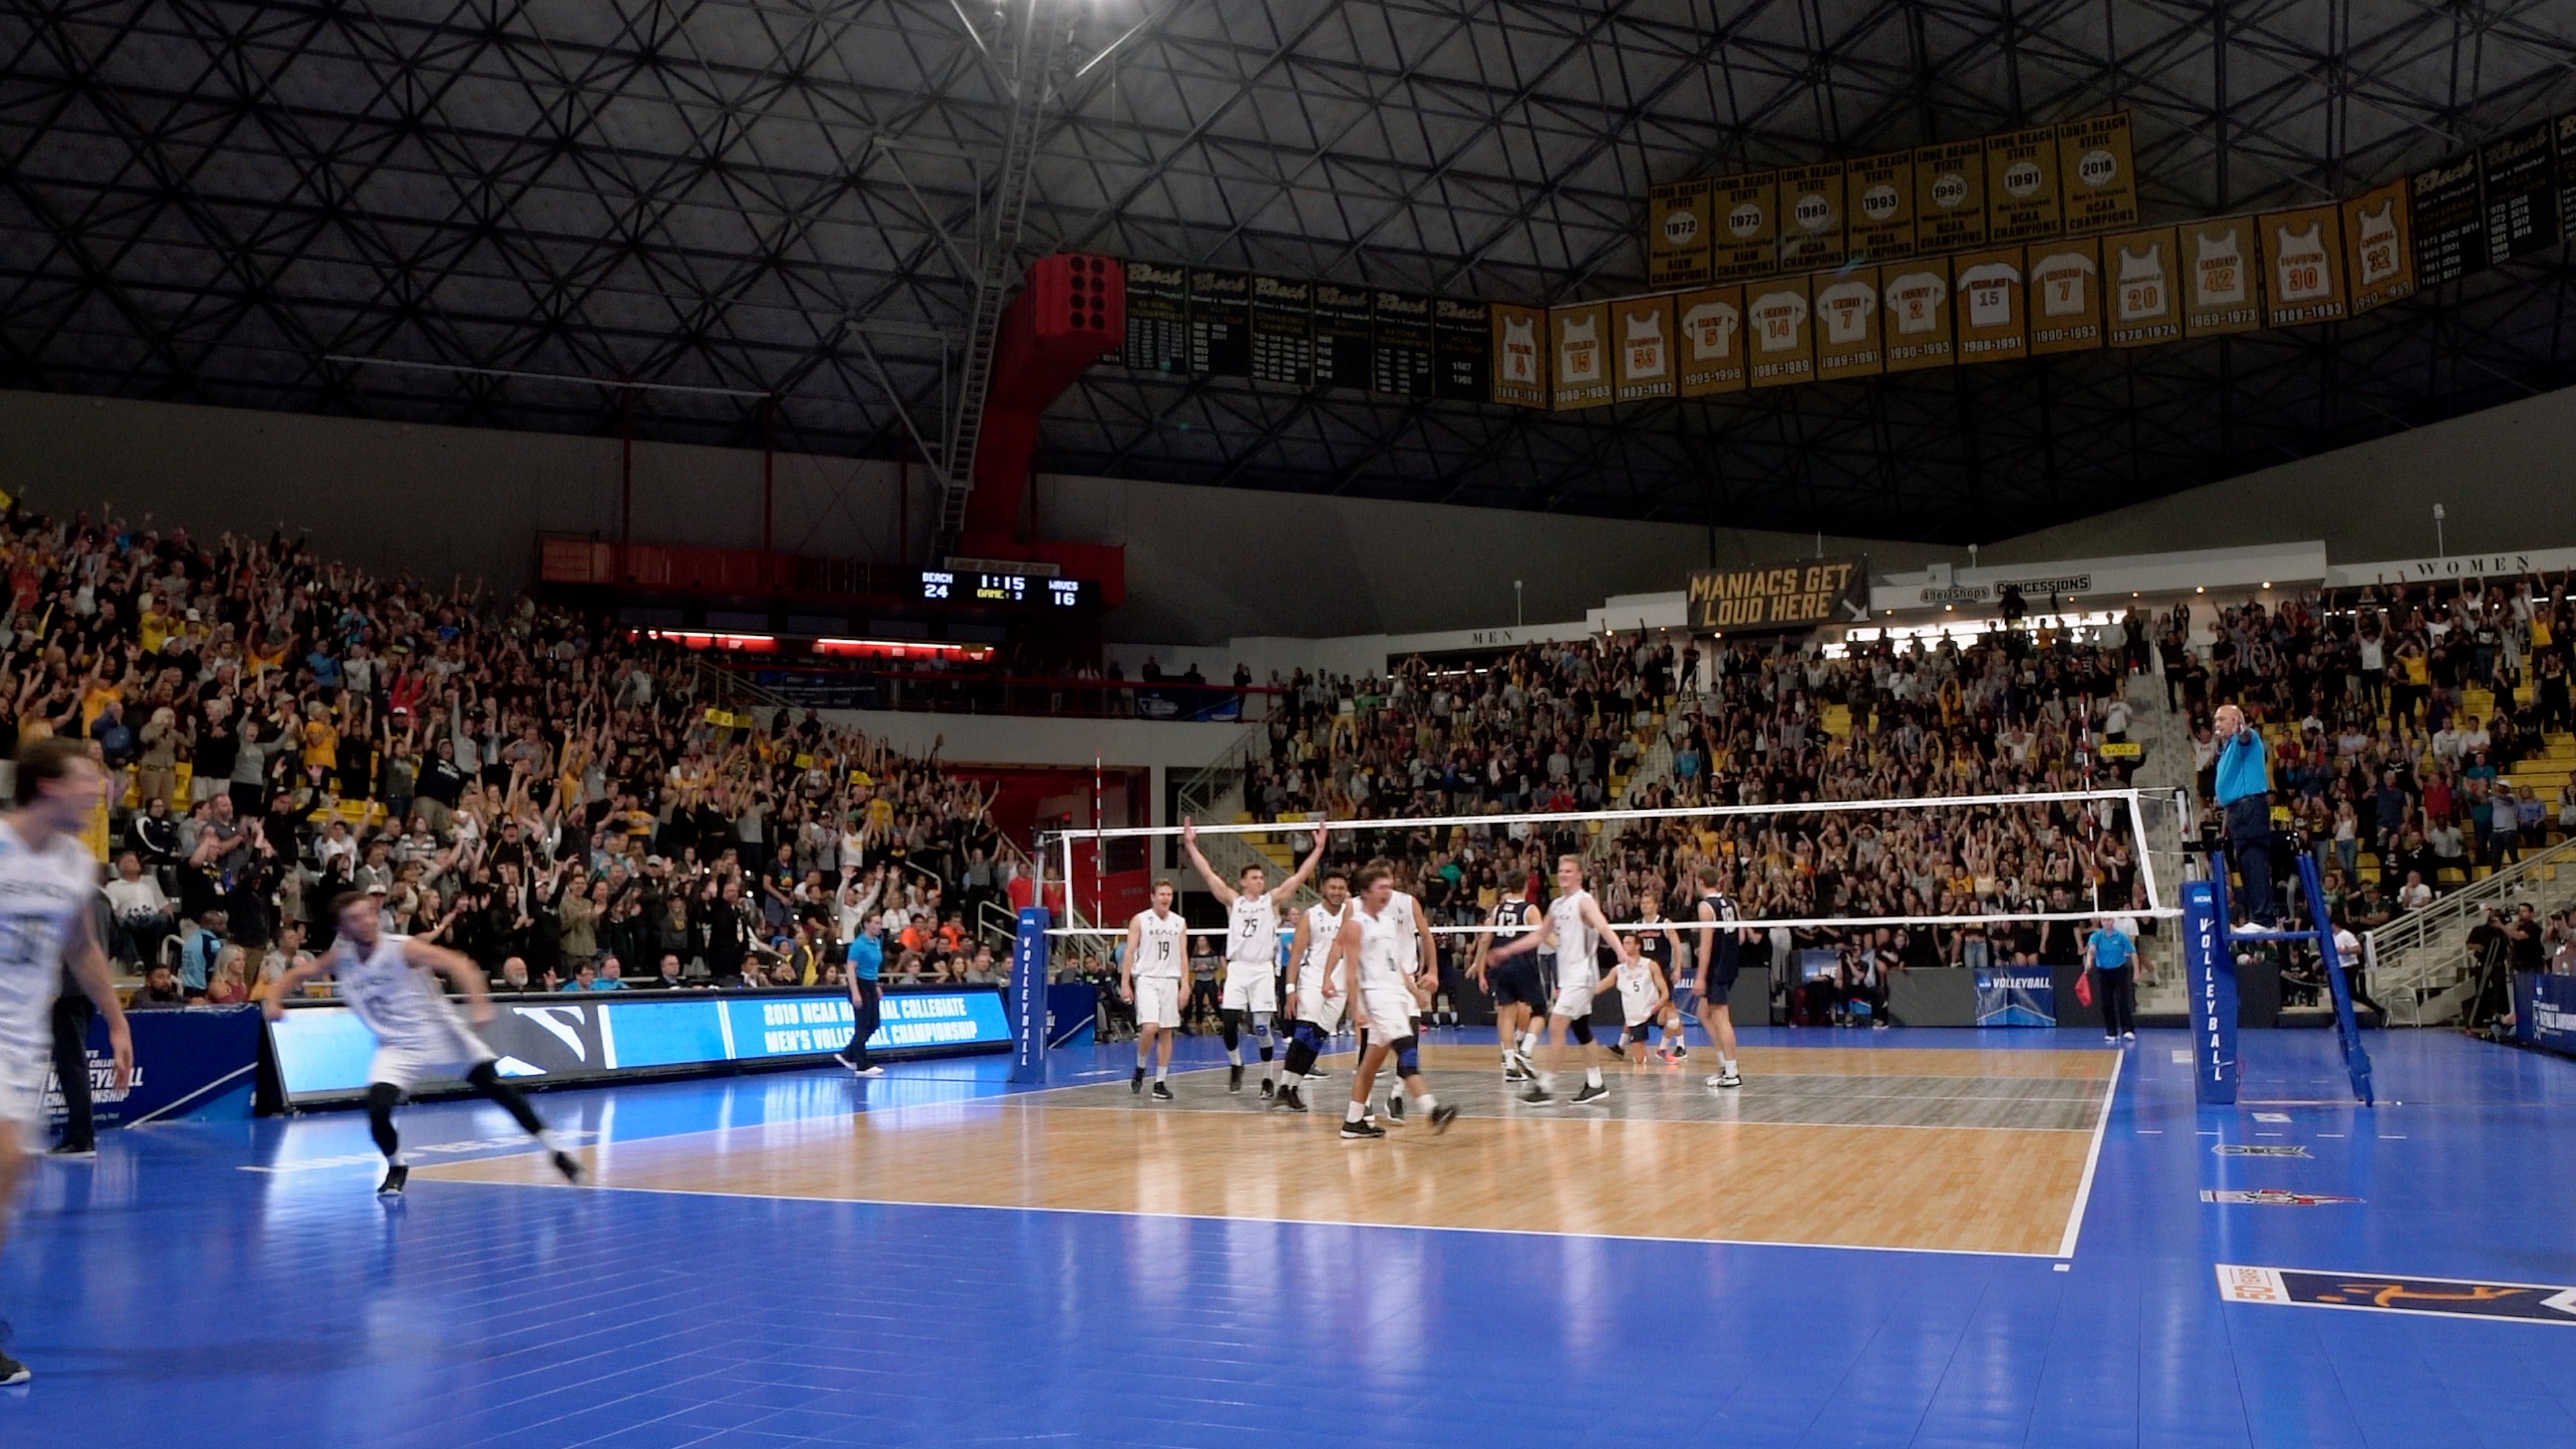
[1519, 995]
[390, 983]
[1319, 989]
[1251, 951]
[1371, 944]
[1576, 928]
[47, 881]
[1154, 974]
[1720, 951]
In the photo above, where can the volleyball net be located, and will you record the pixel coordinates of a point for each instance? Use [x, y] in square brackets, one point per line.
[1968, 863]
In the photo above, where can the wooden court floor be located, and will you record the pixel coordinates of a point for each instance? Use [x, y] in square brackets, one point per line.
[1940, 1150]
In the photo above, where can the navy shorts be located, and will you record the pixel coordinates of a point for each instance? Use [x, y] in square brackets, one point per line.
[1721, 978]
[1516, 982]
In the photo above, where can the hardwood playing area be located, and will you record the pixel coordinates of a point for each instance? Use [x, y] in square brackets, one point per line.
[1957, 1151]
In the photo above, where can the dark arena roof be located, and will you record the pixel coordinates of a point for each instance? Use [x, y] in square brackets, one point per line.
[466, 212]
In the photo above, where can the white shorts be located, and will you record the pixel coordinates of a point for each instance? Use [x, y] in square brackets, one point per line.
[1324, 1011]
[22, 1097]
[405, 1063]
[1390, 1014]
[1250, 986]
[1574, 1003]
[1158, 1002]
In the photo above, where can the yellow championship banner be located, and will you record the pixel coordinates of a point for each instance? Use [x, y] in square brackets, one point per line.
[1747, 209]
[1520, 356]
[1579, 355]
[2379, 250]
[1878, 207]
[1915, 320]
[1645, 328]
[2302, 265]
[2143, 293]
[1711, 327]
[1847, 325]
[1811, 217]
[1777, 313]
[2065, 298]
[1783, 596]
[1991, 321]
[2021, 187]
[1678, 231]
[2094, 174]
[2220, 279]
[1950, 197]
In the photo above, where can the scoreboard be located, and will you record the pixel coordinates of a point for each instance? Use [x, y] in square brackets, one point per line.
[968, 589]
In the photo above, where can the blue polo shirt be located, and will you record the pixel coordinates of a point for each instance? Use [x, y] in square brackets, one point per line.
[2111, 948]
[867, 958]
[2243, 767]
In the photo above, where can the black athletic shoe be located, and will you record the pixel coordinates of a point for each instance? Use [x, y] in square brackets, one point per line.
[1354, 1131]
[74, 1152]
[1269, 1089]
[1727, 1079]
[1538, 1096]
[1512, 1072]
[1592, 1092]
[570, 1169]
[1289, 1098]
[1234, 1079]
[1441, 1117]
[1162, 1092]
[1395, 1110]
[13, 1373]
[395, 1177]
[1136, 1084]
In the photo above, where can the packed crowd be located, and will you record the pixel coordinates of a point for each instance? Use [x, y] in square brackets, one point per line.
[551, 796]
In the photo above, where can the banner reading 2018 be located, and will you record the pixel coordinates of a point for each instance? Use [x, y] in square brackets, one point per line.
[1798, 595]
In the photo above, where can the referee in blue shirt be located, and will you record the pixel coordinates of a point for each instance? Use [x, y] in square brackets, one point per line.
[867, 960]
[2245, 796]
[2109, 951]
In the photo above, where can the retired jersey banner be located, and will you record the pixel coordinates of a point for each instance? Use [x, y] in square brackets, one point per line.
[1646, 362]
[2302, 265]
[1798, 595]
[1678, 232]
[1991, 322]
[1520, 356]
[1847, 326]
[1777, 313]
[1579, 352]
[2094, 171]
[1811, 217]
[1711, 329]
[2219, 289]
[2143, 293]
[2021, 187]
[2066, 296]
[2379, 256]
[1747, 209]
[1914, 322]
[1950, 197]
[1878, 207]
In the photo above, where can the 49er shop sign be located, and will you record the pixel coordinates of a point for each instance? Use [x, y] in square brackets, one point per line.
[1784, 596]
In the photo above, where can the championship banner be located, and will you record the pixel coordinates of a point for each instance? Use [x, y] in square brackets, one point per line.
[2219, 270]
[2302, 265]
[2016, 996]
[1344, 334]
[2143, 292]
[1221, 324]
[1878, 207]
[1645, 348]
[1811, 217]
[1462, 343]
[1991, 323]
[1915, 322]
[1400, 351]
[1847, 327]
[1678, 232]
[2567, 174]
[1783, 596]
[2066, 296]
[2519, 175]
[1283, 323]
[2544, 1011]
[1158, 318]
[1747, 209]
[2095, 173]
[2021, 187]
[1711, 326]
[2379, 255]
[2448, 221]
[1520, 356]
[1777, 314]
[196, 1062]
[1949, 197]
[1579, 341]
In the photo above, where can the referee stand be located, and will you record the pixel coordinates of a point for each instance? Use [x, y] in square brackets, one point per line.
[2210, 939]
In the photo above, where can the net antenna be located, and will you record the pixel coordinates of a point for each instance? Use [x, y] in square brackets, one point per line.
[1352, 836]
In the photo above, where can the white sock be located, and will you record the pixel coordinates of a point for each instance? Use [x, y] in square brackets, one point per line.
[1727, 1063]
[1529, 1043]
[1427, 1102]
[1161, 1072]
[546, 1139]
[399, 1159]
[1592, 1076]
[1234, 1054]
[1354, 1112]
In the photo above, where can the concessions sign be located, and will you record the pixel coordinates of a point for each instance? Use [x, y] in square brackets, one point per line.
[1782, 596]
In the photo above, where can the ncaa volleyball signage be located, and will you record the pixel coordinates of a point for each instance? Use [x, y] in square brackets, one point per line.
[1783, 596]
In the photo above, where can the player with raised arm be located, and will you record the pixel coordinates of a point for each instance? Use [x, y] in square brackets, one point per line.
[1251, 952]
[1720, 951]
[1371, 947]
[1154, 974]
[1318, 991]
[391, 983]
[1513, 982]
[47, 881]
[1576, 928]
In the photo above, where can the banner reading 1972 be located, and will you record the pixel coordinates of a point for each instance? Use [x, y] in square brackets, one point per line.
[1798, 595]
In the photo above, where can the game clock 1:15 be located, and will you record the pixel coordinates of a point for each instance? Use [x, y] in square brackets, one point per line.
[939, 586]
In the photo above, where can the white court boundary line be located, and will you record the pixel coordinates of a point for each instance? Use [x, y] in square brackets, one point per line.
[2092, 1164]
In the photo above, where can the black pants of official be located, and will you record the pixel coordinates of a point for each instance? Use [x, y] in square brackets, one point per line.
[72, 1014]
[2249, 841]
[2118, 993]
[867, 1000]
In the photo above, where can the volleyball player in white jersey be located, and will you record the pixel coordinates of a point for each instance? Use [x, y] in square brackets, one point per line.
[1155, 975]
[390, 983]
[1371, 947]
[1316, 995]
[1720, 948]
[1646, 983]
[47, 881]
[1251, 952]
[1575, 927]
[1514, 985]
[1419, 955]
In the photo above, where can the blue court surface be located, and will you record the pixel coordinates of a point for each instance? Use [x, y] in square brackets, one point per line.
[205, 1286]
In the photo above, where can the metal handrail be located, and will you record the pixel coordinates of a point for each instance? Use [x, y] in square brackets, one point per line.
[2423, 955]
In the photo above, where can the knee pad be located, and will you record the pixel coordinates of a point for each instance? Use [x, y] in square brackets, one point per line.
[1230, 1024]
[483, 1075]
[1408, 1058]
[1261, 1031]
[383, 1097]
[1580, 1029]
